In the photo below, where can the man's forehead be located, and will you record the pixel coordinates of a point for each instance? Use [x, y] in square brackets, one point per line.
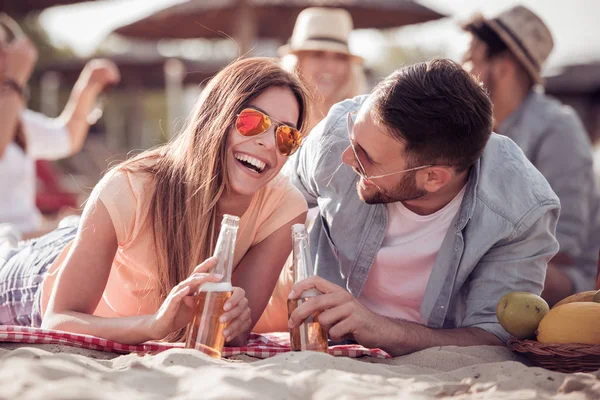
[371, 134]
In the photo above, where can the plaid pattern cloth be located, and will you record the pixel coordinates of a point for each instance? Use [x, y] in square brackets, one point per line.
[259, 346]
[22, 271]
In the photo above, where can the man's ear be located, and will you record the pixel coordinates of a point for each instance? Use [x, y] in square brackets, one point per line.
[434, 178]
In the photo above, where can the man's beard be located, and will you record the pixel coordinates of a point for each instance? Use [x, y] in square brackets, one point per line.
[405, 190]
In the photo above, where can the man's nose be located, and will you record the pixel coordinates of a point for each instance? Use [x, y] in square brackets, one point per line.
[348, 157]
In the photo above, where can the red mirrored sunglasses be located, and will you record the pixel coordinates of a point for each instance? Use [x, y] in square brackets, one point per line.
[251, 122]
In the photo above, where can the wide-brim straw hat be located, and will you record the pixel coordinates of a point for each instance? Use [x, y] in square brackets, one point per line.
[321, 29]
[525, 35]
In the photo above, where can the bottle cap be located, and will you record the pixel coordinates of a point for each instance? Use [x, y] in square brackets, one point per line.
[298, 228]
[230, 220]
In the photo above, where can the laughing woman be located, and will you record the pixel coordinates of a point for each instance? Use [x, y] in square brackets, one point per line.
[143, 244]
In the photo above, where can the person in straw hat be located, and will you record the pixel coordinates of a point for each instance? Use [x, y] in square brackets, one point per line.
[507, 53]
[318, 52]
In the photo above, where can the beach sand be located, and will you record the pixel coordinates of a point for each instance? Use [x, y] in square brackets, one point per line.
[52, 372]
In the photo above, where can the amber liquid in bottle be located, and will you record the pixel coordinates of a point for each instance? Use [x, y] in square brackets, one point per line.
[205, 331]
[310, 335]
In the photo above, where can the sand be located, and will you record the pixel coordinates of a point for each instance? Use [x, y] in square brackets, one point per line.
[484, 372]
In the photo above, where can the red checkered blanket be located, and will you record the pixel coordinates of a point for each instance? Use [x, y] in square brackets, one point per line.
[259, 346]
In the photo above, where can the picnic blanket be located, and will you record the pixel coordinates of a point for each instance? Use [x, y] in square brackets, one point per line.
[258, 346]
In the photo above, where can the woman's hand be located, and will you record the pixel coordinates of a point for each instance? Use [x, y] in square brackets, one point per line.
[176, 311]
[98, 74]
[237, 316]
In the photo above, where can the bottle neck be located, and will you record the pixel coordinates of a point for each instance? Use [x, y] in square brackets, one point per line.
[225, 251]
[303, 266]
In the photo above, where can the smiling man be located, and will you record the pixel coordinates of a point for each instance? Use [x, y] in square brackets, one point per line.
[426, 219]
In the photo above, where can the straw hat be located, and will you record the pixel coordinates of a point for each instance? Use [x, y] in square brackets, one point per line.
[321, 29]
[524, 33]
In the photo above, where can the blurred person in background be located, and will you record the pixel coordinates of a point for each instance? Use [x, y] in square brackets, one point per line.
[26, 136]
[507, 53]
[318, 52]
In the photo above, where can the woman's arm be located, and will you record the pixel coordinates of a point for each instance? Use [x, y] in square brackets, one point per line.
[96, 75]
[82, 280]
[258, 271]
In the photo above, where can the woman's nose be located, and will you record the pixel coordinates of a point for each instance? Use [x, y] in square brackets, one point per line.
[267, 139]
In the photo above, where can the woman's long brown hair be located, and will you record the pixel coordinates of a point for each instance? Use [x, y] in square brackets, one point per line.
[190, 172]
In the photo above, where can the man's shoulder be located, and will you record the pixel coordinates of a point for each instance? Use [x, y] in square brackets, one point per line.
[509, 185]
[333, 128]
[554, 115]
[326, 143]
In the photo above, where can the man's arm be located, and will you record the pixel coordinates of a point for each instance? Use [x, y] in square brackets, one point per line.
[408, 337]
[516, 264]
[345, 317]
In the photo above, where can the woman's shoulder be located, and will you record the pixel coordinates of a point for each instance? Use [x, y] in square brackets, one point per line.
[278, 203]
[280, 188]
[127, 178]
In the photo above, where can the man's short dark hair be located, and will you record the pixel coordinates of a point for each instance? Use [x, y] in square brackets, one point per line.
[438, 110]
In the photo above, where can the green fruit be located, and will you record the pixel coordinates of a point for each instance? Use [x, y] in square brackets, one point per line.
[520, 313]
[596, 298]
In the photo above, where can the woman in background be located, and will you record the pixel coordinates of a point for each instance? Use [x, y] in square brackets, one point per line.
[318, 53]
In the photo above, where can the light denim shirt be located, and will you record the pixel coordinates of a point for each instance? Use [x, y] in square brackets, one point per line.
[554, 140]
[500, 240]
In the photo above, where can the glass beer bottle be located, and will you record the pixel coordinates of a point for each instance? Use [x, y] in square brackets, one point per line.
[310, 335]
[205, 331]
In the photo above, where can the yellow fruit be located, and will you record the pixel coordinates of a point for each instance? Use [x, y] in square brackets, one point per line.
[596, 298]
[571, 323]
[520, 313]
[579, 297]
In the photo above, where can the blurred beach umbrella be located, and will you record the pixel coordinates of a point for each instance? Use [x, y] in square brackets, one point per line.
[246, 20]
[22, 7]
[135, 72]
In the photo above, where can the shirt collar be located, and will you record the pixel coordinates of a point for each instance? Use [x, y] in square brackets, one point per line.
[467, 208]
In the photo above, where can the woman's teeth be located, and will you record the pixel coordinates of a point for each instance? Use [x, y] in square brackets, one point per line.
[251, 162]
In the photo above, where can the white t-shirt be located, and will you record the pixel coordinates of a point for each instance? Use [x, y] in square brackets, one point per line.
[46, 139]
[398, 277]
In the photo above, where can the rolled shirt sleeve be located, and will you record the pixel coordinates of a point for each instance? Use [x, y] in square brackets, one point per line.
[517, 264]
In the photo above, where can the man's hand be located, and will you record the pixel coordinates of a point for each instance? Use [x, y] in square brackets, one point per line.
[341, 314]
[557, 286]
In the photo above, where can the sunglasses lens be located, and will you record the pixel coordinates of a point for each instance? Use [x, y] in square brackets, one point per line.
[288, 140]
[252, 123]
